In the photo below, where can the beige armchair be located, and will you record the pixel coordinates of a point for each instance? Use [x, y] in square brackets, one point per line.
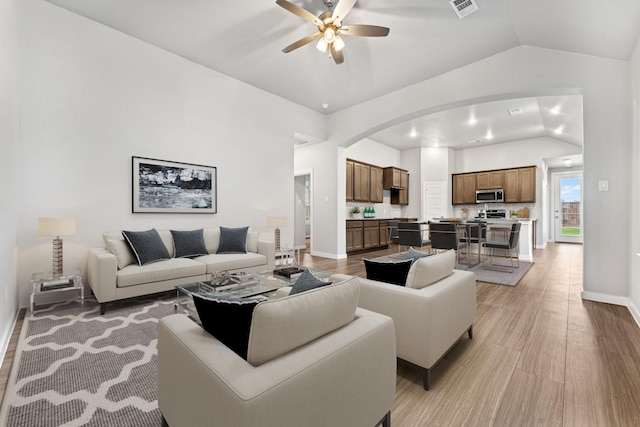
[428, 320]
[343, 378]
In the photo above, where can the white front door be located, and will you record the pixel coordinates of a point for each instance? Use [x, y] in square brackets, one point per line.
[435, 200]
[567, 210]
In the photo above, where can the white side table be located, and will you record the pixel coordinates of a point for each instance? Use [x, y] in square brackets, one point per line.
[46, 283]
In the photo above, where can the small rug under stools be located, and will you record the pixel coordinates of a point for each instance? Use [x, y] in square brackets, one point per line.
[74, 367]
[498, 274]
[501, 275]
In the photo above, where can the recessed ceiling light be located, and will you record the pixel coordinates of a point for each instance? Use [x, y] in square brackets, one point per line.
[559, 130]
[413, 133]
[515, 111]
[473, 120]
[325, 105]
[489, 134]
[555, 110]
[567, 162]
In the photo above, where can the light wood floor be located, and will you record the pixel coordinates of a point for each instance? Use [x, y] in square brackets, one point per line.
[540, 355]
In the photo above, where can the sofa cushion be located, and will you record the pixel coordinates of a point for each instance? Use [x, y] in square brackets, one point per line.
[414, 255]
[306, 282]
[188, 244]
[147, 246]
[211, 239]
[252, 241]
[174, 268]
[394, 272]
[282, 325]
[426, 271]
[221, 262]
[228, 319]
[115, 243]
[233, 240]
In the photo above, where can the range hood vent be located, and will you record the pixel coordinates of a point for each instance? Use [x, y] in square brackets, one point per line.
[463, 8]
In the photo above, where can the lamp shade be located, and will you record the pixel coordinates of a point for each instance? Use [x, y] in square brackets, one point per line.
[55, 227]
[277, 221]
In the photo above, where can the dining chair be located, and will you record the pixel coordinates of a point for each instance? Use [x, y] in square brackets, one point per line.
[508, 245]
[411, 234]
[392, 226]
[445, 236]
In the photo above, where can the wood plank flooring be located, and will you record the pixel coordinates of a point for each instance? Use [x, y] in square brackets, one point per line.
[540, 355]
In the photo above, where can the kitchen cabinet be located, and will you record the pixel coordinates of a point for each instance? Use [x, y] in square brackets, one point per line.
[489, 180]
[397, 181]
[383, 232]
[463, 189]
[355, 240]
[363, 182]
[361, 177]
[527, 184]
[511, 186]
[375, 182]
[520, 185]
[349, 184]
[371, 234]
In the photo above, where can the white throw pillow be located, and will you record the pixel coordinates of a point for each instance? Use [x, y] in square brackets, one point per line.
[281, 325]
[115, 243]
[428, 270]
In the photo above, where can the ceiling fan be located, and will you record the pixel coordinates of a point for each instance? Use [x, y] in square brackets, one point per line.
[330, 27]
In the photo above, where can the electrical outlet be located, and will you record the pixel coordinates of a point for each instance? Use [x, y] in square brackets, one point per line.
[603, 185]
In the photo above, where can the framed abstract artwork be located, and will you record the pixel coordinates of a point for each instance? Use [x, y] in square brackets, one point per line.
[161, 186]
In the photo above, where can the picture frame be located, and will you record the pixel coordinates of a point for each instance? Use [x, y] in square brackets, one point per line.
[162, 186]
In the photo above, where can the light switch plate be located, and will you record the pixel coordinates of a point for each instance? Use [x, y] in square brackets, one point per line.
[603, 185]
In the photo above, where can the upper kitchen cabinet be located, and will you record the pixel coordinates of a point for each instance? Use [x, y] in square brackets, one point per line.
[349, 181]
[520, 185]
[376, 181]
[363, 182]
[463, 189]
[397, 181]
[489, 180]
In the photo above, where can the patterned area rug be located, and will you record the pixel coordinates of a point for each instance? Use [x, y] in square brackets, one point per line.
[74, 367]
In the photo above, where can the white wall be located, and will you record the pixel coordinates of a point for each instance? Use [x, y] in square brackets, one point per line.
[525, 71]
[9, 133]
[634, 159]
[93, 97]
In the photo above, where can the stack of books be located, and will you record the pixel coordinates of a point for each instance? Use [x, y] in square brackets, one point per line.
[289, 272]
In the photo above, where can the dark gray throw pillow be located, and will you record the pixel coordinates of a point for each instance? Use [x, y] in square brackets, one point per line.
[306, 282]
[414, 255]
[228, 319]
[187, 244]
[389, 272]
[233, 240]
[147, 246]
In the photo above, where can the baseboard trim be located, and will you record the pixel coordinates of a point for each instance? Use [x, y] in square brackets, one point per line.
[612, 299]
[634, 312]
[6, 337]
[327, 255]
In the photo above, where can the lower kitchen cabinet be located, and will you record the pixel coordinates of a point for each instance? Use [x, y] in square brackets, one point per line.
[355, 236]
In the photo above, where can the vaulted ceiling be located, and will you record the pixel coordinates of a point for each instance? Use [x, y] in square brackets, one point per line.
[244, 39]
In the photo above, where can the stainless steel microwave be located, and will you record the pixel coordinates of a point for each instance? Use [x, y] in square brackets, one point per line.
[490, 196]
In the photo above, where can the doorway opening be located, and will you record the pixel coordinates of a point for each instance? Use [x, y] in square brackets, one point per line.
[303, 212]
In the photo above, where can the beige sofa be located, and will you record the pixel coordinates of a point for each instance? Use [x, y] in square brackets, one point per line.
[114, 274]
[430, 313]
[305, 366]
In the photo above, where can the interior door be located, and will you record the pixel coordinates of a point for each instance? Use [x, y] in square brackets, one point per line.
[567, 211]
[435, 200]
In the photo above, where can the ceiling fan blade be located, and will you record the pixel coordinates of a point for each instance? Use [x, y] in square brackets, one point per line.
[342, 9]
[337, 55]
[364, 30]
[302, 42]
[304, 14]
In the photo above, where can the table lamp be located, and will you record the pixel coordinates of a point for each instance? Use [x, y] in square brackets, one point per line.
[277, 222]
[56, 227]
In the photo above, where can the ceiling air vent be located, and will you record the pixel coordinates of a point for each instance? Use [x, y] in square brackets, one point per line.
[462, 8]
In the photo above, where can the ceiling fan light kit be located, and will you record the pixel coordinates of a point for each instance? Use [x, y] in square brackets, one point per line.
[330, 27]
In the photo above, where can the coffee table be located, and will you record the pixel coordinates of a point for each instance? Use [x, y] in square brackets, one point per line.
[252, 285]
